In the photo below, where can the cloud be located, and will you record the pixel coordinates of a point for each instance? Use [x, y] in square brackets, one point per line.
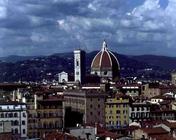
[45, 27]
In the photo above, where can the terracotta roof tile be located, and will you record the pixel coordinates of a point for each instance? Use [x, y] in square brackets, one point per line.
[59, 136]
[154, 131]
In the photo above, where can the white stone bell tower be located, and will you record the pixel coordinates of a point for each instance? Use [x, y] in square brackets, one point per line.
[79, 66]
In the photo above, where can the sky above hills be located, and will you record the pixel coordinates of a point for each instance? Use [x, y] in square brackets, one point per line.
[43, 27]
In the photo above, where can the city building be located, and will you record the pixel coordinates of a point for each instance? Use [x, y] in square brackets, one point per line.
[32, 116]
[150, 90]
[63, 77]
[45, 109]
[5, 130]
[117, 111]
[132, 90]
[105, 64]
[154, 89]
[79, 66]
[85, 107]
[12, 91]
[157, 133]
[162, 111]
[139, 112]
[84, 132]
[16, 113]
[5, 126]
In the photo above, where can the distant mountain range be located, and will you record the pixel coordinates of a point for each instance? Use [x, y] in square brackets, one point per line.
[36, 68]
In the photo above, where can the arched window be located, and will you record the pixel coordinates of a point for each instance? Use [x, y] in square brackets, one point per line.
[23, 122]
[6, 115]
[16, 131]
[44, 125]
[24, 114]
[77, 63]
[50, 125]
[15, 114]
[10, 115]
[24, 131]
[2, 115]
[38, 115]
[44, 114]
[16, 122]
[12, 123]
[56, 124]
[105, 72]
[50, 114]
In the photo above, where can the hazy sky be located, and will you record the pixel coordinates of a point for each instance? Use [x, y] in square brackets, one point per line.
[42, 27]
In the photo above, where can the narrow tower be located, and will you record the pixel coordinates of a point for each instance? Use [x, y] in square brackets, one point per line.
[79, 66]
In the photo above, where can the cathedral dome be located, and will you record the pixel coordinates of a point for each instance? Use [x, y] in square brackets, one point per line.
[105, 61]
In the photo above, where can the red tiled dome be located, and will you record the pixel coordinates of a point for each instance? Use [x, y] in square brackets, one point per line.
[105, 59]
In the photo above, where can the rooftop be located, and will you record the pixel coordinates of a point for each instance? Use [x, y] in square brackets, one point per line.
[11, 103]
[154, 131]
[59, 136]
[170, 124]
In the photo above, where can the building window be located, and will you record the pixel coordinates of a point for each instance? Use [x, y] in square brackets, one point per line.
[24, 131]
[138, 108]
[132, 108]
[15, 122]
[16, 131]
[23, 123]
[15, 115]
[2, 115]
[98, 105]
[132, 115]
[147, 115]
[105, 72]
[142, 108]
[11, 114]
[24, 114]
[77, 63]
[125, 122]
[138, 115]
[6, 115]
[118, 111]
[77, 73]
[142, 114]
[91, 113]
[12, 123]
[91, 106]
